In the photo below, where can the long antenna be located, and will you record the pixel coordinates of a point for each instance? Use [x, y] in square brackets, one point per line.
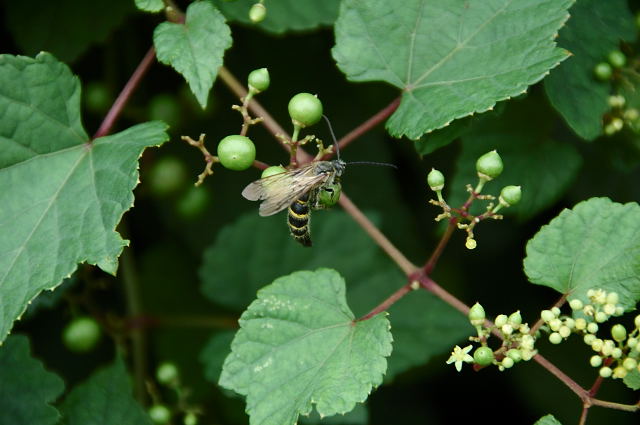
[385, 164]
[335, 142]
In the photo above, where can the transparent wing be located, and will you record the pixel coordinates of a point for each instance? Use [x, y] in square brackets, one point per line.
[278, 191]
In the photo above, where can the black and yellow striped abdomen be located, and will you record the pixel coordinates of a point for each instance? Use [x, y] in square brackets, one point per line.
[298, 220]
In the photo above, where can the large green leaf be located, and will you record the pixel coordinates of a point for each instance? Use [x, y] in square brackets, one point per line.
[26, 388]
[104, 399]
[544, 168]
[423, 325]
[451, 58]
[547, 420]
[64, 27]
[299, 345]
[195, 48]
[595, 28]
[63, 194]
[595, 245]
[284, 15]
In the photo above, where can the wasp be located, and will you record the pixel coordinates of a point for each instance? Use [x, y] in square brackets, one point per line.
[313, 186]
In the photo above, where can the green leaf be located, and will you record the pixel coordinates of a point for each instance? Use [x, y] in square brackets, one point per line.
[338, 243]
[358, 416]
[547, 420]
[632, 379]
[284, 15]
[152, 6]
[594, 245]
[314, 353]
[64, 194]
[545, 168]
[67, 28]
[423, 325]
[595, 28]
[451, 58]
[195, 48]
[213, 354]
[26, 388]
[104, 399]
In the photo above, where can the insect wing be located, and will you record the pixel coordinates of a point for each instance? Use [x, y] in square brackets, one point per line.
[278, 191]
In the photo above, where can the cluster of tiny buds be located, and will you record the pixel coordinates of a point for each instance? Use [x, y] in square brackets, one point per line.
[517, 342]
[615, 357]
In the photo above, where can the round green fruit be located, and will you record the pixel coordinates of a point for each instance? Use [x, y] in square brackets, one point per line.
[272, 171]
[259, 80]
[617, 59]
[159, 414]
[167, 373]
[236, 152]
[489, 165]
[305, 109]
[81, 334]
[483, 356]
[435, 180]
[257, 13]
[603, 71]
[167, 175]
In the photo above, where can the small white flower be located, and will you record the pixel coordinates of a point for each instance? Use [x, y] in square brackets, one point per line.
[460, 355]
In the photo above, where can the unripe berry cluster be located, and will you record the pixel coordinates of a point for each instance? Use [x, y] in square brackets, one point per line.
[488, 167]
[517, 343]
[616, 356]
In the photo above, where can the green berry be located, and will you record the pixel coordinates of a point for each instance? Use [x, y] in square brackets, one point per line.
[435, 179]
[576, 304]
[164, 107]
[97, 97]
[601, 317]
[595, 361]
[589, 339]
[555, 338]
[193, 202]
[483, 356]
[257, 13]
[592, 327]
[236, 152]
[564, 331]
[507, 362]
[515, 319]
[272, 171]
[605, 372]
[630, 363]
[617, 59]
[514, 354]
[489, 165]
[547, 315]
[259, 80]
[632, 342]
[580, 324]
[501, 320]
[618, 332]
[190, 419]
[510, 195]
[81, 334]
[329, 195]
[159, 414]
[167, 373]
[631, 114]
[476, 315]
[603, 71]
[168, 174]
[305, 109]
[555, 324]
[617, 101]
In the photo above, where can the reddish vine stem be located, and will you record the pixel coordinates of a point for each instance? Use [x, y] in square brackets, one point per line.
[583, 415]
[116, 109]
[398, 257]
[383, 306]
[380, 116]
[444, 240]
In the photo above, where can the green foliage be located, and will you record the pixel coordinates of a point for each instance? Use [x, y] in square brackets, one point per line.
[593, 245]
[195, 48]
[150, 5]
[65, 28]
[595, 28]
[50, 153]
[284, 15]
[104, 399]
[632, 380]
[314, 353]
[451, 58]
[27, 389]
[542, 166]
[547, 420]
